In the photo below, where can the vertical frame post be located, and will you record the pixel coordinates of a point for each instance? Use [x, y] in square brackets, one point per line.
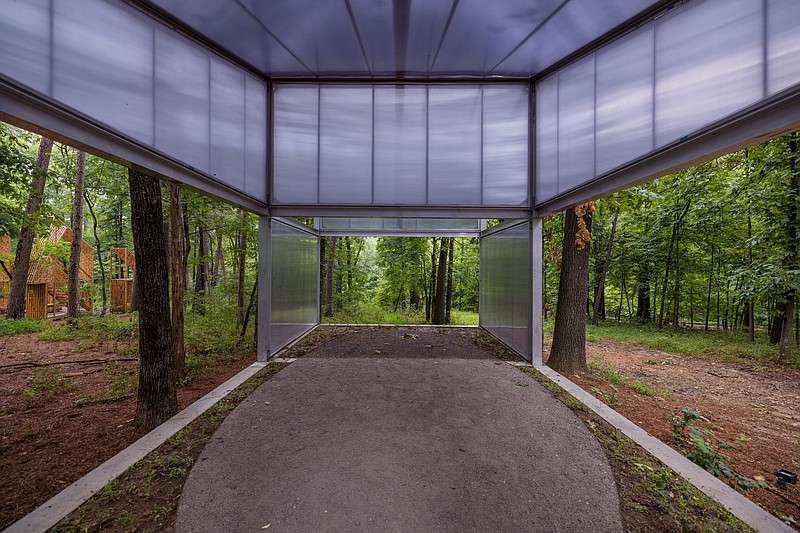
[536, 265]
[264, 288]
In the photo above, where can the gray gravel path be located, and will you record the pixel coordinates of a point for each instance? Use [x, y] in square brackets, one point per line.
[432, 434]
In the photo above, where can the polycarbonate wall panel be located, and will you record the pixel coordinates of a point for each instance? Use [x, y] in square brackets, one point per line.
[125, 71]
[695, 65]
[295, 290]
[505, 286]
[442, 145]
[390, 226]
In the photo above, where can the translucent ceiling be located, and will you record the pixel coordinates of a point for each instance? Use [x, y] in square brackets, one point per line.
[399, 38]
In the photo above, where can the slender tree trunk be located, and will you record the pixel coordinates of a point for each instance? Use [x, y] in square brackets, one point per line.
[241, 246]
[177, 275]
[643, 295]
[708, 294]
[219, 258]
[73, 270]
[601, 283]
[329, 271]
[253, 294]
[439, 311]
[676, 298]
[157, 398]
[201, 278]
[790, 261]
[751, 319]
[568, 353]
[429, 303]
[22, 256]
[449, 294]
[98, 246]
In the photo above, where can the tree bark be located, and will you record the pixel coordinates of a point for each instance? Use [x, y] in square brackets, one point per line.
[643, 295]
[73, 271]
[98, 246]
[568, 353]
[241, 269]
[449, 295]
[708, 294]
[201, 279]
[22, 255]
[601, 284]
[329, 278]
[439, 312]
[790, 260]
[177, 275]
[157, 399]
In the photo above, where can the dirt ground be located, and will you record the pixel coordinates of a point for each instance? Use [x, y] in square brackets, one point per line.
[762, 404]
[58, 422]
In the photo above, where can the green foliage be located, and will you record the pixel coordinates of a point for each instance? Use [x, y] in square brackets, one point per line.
[15, 327]
[699, 446]
[93, 327]
[610, 374]
[610, 398]
[43, 379]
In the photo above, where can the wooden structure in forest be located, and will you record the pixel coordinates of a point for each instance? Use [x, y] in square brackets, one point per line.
[47, 278]
[121, 278]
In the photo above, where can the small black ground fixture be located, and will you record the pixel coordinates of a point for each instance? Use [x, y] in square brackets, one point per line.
[784, 477]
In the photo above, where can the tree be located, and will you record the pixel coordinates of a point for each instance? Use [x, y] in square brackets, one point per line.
[157, 398]
[439, 308]
[22, 256]
[73, 271]
[177, 275]
[329, 267]
[568, 352]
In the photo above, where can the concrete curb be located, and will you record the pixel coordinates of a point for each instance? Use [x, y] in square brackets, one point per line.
[742, 508]
[56, 508]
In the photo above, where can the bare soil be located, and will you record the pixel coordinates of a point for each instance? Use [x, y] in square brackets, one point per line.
[762, 404]
[60, 421]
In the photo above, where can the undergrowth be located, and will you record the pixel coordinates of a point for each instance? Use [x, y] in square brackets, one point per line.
[9, 326]
[372, 313]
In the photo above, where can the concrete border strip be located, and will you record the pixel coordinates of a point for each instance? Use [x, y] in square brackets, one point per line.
[56, 508]
[742, 508]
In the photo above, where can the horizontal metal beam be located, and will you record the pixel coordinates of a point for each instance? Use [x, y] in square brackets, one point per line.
[772, 117]
[404, 80]
[502, 227]
[36, 113]
[343, 232]
[395, 211]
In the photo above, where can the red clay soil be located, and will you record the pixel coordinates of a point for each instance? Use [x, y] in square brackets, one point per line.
[59, 422]
[762, 404]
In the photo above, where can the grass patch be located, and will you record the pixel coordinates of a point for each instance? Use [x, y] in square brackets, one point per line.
[371, 313]
[610, 374]
[9, 326]
[720, 345]
[123, 328]
[653, 497]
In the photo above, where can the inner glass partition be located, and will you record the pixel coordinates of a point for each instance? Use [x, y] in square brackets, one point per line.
[656, 86]
[505, 295]
[361, 226]
[413, 145]
[295, 283]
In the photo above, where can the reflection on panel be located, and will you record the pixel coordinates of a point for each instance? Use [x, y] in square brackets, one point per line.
[693, 66]
[444, 145]
[505, 290]
[295, 290]
[127, 72]
[401, 226]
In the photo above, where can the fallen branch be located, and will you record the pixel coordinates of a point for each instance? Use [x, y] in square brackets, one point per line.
[112, 399]
[84, 362]
[786, 498]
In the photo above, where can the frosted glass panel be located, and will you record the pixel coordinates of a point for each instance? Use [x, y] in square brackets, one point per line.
[505, 145]
[624, 100]
[576, 125]
[295, 144]
[99, 45]
[783, 44]
[227, 123]
[182, 101]
[708, 64]
[295, 289]
[345, 149]
[505, 290]
[25, 42]
[454, 145]
[256, 138]
[546, 140]
[400, 144]
[444, 145]
[403, 226]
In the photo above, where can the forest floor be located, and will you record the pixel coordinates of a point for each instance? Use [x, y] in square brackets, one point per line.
[60, 421]
[760, 402]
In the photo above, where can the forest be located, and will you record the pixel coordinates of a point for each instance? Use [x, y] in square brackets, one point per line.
[713, 247]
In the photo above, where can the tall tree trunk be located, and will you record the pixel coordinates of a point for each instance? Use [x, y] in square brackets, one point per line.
[329, 268]
[201, 278]
[708, 294]
[241, 270]
[73, 271]
[177, 276]
[449, 294]
[643, 294]
[601, 283]
[676, 298]
[751, 319]
[98, 246]
[134, 305]
[673, 240]
[253, 294]
[157, 398]
[790, 260]
[568, 353]
[22, 256]
[430, 305]
[439, 312]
